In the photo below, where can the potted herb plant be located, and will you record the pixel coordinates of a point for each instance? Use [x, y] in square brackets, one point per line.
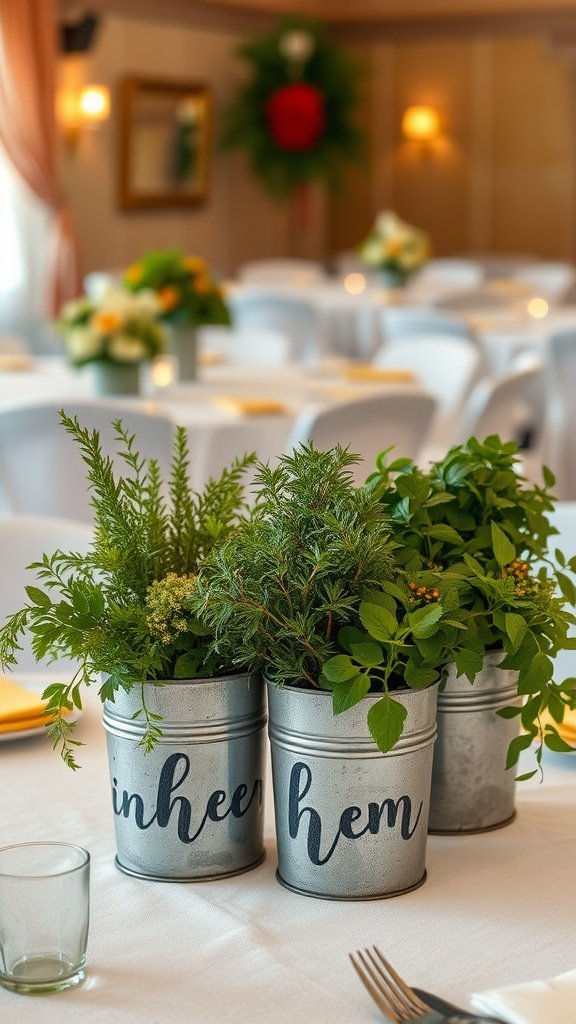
[308, 591]
[475, 518]
[114, 335]
[187, 295]
[179, 717]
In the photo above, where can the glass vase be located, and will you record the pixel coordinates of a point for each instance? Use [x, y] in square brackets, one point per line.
[184, 345]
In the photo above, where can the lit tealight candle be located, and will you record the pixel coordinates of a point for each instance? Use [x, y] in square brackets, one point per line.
[163, 371]
[537, 308]
[355, 283]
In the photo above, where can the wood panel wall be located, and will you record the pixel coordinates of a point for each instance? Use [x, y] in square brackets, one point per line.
[502, 176]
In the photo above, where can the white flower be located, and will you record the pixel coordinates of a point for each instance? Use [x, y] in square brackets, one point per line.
[297, 45]
[118, 302]
[83, 344]
[146, 304]
[126, 349]
[372, 251]
[76, 308]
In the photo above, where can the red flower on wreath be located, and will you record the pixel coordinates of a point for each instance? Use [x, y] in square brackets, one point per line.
[296, 116]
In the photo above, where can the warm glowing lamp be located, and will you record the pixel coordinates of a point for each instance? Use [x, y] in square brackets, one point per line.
[93, 105]
[420, 123]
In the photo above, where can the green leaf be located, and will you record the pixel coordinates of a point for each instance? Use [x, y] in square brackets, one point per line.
[38, 597]
[419, 677]
[567, 587]
[526, 776]
[515, 627]
[537, 674]
[445, 533]
[379, 622]
[509, 712]
[518, 744]
[349, 635]
[339, 668]
[548, 476]
[386, 722]
[504, 550]
[423, 620]
[349, 692]
[368, 654]
[555, 742]
[468, 663]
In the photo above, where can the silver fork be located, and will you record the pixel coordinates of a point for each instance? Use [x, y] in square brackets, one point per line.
[395, 999]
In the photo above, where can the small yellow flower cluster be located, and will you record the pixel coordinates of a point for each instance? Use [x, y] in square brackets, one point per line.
[166, 599]
[526, 586]
[424, 593]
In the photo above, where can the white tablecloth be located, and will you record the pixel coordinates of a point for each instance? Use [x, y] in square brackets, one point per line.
[497, 908]
[216, 435]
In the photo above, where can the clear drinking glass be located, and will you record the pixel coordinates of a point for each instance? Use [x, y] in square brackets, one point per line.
[44, 914]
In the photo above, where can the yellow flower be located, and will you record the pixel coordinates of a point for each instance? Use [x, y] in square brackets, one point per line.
[202, 285]
[133, 273]
[168, 297]
[166, 602]
[195, 264]
[106, 323]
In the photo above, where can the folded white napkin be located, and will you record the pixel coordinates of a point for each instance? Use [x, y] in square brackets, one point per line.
[538, 1002]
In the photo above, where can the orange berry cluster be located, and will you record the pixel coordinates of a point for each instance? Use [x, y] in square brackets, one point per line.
[425, 593]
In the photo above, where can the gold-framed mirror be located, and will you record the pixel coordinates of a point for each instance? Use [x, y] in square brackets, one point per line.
[165, 141]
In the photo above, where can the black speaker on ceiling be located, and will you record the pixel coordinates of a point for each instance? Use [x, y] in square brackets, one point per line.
[79, 36]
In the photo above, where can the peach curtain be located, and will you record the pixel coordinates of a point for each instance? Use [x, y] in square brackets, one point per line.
[28, 128]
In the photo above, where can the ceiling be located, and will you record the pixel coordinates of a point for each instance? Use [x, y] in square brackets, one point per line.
[362, 17]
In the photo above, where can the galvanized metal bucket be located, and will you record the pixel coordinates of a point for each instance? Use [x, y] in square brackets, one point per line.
[192, 808]
[351, 822]
[471, 789]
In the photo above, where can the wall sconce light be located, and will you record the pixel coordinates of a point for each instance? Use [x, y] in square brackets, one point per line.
[421, 124]
[78, 109]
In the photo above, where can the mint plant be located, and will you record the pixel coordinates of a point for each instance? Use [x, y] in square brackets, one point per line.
[473, 517]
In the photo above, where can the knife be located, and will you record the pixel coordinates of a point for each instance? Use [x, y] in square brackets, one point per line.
[436, 1003]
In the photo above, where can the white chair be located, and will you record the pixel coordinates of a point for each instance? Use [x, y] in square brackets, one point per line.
[439, 278]
[559, 447]
[400, 416]
[511, 406]
[446, 366]
[41, 470]
[552, 281]
[295, 318]
[403, 321]
[23, 540]
[244, 345]
[282, 271]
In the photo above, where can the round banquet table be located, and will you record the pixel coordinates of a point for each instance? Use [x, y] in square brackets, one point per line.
[497, 908]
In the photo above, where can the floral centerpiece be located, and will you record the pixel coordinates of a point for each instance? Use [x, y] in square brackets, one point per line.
[116, 334]
[187, 295]
[395, 248]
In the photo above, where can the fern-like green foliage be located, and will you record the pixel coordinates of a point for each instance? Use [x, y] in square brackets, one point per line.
[124, 609]
[276, 594]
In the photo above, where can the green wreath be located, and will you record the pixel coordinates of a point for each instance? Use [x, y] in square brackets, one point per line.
[295, 116]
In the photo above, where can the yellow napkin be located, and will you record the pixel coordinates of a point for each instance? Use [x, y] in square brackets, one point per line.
[249, 406]
[211, 358]
[366, 372]
[19, 708]
[15, 362]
